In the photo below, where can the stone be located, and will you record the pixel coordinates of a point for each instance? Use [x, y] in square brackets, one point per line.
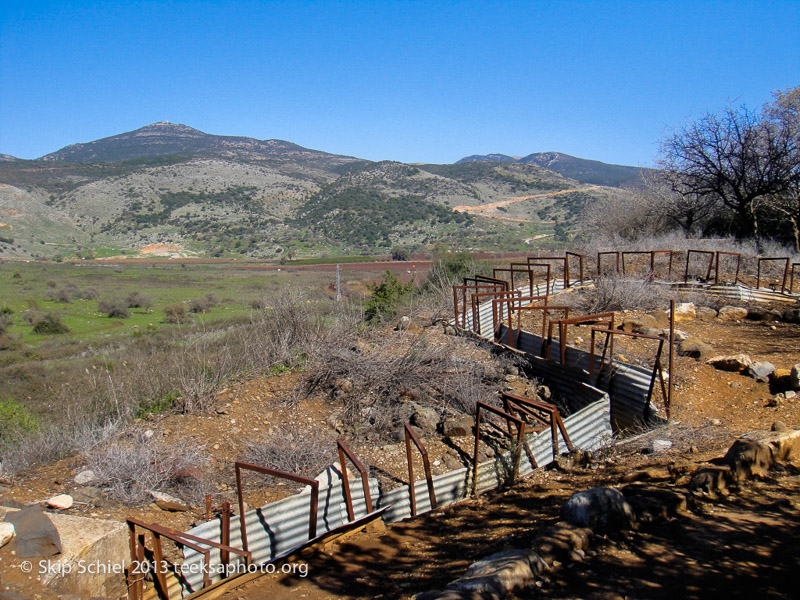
[558, 541]
[654, 503]
[784, 443]
[732, 313]
[329, 476]
[696, 348]
[791, 316]
[733, 362]
[6, 533]
[167, 502]
[659, 446]
[661, 318]
[639, 325]
[748, 458]
[685, 311]
[501, 574]
[85, 477]
[544, 392]
[706, 314]
[760, 371]
[61, 502]
[761, 314]
[679, 335]
[790, 395]
[35, 534]
[403, 324]
[426, 418]
[604, 510]
[715, 422]
[458, 425]
[645, 475]
[711, 479]
[794, 377]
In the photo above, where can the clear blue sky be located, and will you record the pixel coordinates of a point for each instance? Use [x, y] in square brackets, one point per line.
[409, 81]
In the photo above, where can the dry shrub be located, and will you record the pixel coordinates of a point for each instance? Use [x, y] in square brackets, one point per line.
[615, 293]
[293, 450]
[176, 314]
[138, 300]
[129, 466]
[115, 308]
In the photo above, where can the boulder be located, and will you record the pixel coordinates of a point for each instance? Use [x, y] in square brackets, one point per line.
[654, 503]
[784, 443]
[501, 574]
[748, 458]
[35, 534]
[696, 348]
[792, 315]
[458, 425]
[544, 392]
[85, 477]
[679, 334]
[661, 318]
[685, 311]
[706, 314]
[711, 479]
[659, 446]
[559, 541]
[735, 362]
[167, 502]
[61, 502]
[639, 325]
[732, 313]
[760, 371]
[794, 377]
[426, 418]
[6, 533]
[604, 510]
[763, 314]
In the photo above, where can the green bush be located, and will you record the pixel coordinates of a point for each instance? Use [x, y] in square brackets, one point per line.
[50, 324]
[386, 298]
[15, 419]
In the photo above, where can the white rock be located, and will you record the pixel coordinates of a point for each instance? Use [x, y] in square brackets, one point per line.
[657, 446]
[6, 533]
[85, 477]
[148, 434]
[685, 311]
[62, 501]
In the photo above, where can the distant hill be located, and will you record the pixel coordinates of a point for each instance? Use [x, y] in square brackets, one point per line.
[229, 196]
[579, 169]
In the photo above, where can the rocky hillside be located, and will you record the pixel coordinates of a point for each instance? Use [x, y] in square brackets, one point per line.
[231, 196]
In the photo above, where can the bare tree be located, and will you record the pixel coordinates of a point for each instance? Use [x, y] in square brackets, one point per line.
[732, 157]
[688, 211]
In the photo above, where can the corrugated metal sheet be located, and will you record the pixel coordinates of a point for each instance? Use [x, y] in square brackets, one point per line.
[278, 527]
[738, 292]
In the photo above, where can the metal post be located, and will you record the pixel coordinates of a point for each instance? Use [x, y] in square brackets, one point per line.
[671, 356]
[338, 284]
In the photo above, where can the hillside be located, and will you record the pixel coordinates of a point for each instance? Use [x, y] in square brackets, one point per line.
[229, 196]
[579, 169]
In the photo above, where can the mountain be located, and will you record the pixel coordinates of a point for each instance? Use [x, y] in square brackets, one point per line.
[579, 169]
[229, 196]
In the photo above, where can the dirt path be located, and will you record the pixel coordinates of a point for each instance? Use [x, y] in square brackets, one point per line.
[489, 210]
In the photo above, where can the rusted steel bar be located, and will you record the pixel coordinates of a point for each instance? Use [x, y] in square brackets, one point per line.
[580, 263]
[412, 436]
[605, 253]
[545, 309]
[738, 265]
[689, 253]
[791, 279]
[461, 316]
[672, 353]
[632, 252]
[135, 576]
[529, 407]
[344, 451]
[476, 322]
[225, 536]
[158, 559]
[520, 438]
[312, 517]
[536, 261]
[562, 329]
[208, 507]
[785, 259]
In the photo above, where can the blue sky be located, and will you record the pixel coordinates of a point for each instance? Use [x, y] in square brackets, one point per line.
[407, 81]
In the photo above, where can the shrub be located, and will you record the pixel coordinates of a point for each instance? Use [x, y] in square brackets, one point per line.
[115, 308]
[303, 453]
[176, 313]
[5, 319]
[616, 293]
[386, 298]
[204, 304]
[15, 419]
[49, 324]
[139, 300]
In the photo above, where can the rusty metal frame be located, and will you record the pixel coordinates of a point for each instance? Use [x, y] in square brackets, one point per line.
[411, 435]
[580, 266]
[738, 265]
[535, 260]
[658, 370]
[312, 514]
[344, 451]
[476, 323]
[605, 253]
[138, 547]
[519, 308]
[786, 261]
[509, 418]
[653, 254]
[529, 407]
[562, 331]
[462, 315]
[689, 253]
[791, 278]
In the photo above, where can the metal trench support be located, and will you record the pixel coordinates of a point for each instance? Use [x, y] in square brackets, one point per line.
[411, 436]
[791, 278]
[580, 266]
[461, 315]
[476, 323]
[653, 254]
[314, 504]
[537, 261]
[738, 265]
[530, 407]
[785, 270]
[344, 451]
[607, 253]
[160, 569]
[509, 418]
[546, 308]
[562, 331]
[689, 253]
